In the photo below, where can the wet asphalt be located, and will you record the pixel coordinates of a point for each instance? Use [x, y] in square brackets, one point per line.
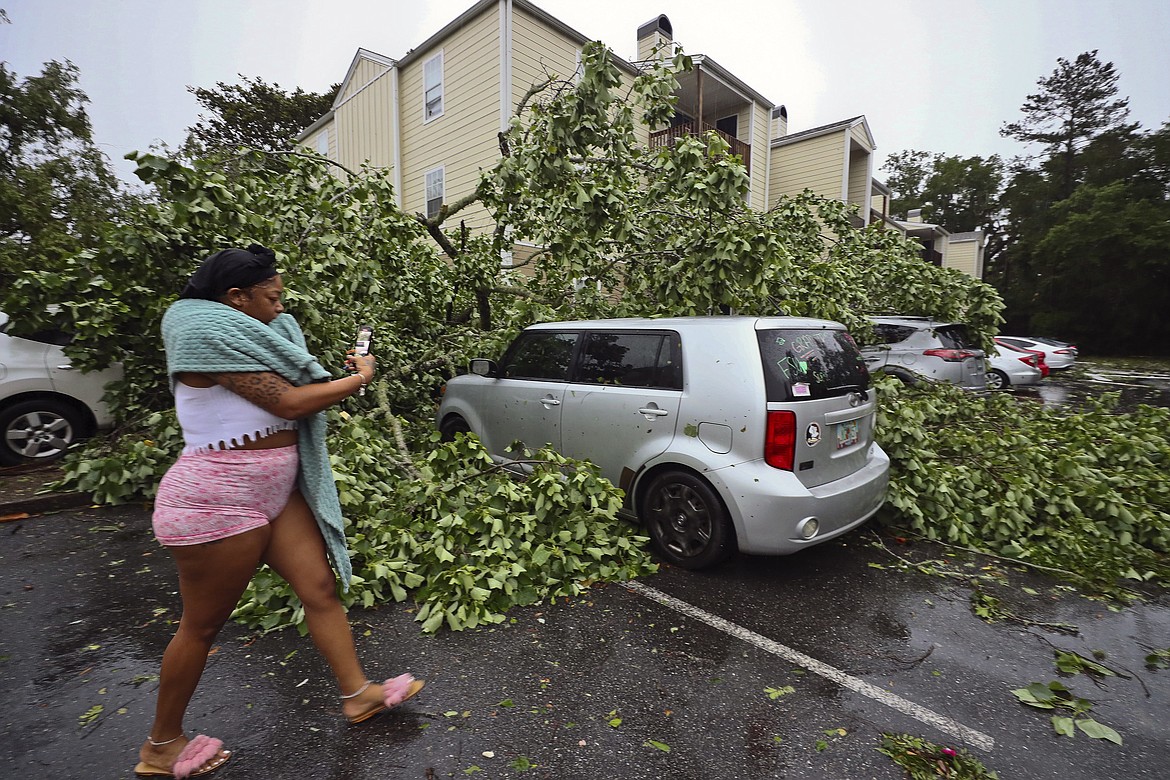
[613, 684]
[764, 668]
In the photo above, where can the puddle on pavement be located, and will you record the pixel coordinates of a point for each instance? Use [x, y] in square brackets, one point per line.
[1136, 383]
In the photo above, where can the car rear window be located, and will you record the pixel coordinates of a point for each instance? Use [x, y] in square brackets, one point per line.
[955, 337]
[809, 364]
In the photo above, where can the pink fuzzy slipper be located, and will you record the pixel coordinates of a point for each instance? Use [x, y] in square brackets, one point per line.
[200, 756]
[394, 691]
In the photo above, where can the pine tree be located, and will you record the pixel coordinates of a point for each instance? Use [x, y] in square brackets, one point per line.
[1073, 106]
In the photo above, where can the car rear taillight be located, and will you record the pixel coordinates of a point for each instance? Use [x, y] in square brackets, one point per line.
[780, 440]
[950, 355]
[1031, 360]
[1064, 351]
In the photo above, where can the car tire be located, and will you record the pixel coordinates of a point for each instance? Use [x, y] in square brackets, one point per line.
[687, 522]
[451, 426]
[38, 431]
[902, 375]
[997, 380]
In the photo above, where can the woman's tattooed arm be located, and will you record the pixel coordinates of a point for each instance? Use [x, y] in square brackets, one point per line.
[263, 388]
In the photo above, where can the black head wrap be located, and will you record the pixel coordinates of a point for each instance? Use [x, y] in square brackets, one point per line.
[230, 268]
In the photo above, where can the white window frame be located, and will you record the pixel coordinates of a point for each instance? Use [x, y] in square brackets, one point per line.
[435, 179]
[323, 143]
[428, 87]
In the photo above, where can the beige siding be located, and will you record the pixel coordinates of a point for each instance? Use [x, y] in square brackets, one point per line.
[963, 256]
[760, 119]
[463, 139]
[858, 134]
[328, 132]
[364, 119]
[814, 164]
[859, 179]
[538, 51]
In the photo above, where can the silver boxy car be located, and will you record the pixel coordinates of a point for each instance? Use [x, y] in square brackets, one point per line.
[910, 348]
[45, 403]
[726, 433]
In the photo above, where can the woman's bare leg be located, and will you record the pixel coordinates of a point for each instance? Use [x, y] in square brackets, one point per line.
[212, 577]
[297, 552]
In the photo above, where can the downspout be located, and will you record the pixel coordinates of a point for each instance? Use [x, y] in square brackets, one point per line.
[505, 63]
[845, 170]
[768, 164]
[396, 135]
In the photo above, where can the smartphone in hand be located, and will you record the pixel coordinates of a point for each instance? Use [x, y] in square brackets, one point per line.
[362, 343]
[364, 340]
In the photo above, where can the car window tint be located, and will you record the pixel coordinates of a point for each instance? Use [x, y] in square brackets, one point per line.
[891, 334]
[1014, 343]
[630, 359]
[802, 364]
[540, 355]
[955, 337]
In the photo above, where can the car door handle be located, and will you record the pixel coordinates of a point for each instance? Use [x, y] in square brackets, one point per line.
[550, 401]
[654, 412]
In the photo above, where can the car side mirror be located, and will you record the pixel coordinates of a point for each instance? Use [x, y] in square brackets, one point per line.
[482, 367]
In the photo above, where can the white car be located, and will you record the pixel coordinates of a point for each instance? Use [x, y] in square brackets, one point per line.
[1008, 367]
[45, 403]
[1057, 358]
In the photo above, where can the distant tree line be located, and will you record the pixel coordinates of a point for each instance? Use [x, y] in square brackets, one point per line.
[1079, 231]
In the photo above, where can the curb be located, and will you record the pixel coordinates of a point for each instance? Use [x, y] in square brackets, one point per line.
[39, 505]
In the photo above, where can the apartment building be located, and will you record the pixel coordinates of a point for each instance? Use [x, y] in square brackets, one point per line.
[433, 116]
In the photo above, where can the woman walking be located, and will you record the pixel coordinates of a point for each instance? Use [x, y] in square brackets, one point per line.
[253, 485]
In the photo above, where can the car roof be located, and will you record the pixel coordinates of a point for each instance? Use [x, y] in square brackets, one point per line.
[909, 320]
[687, 323]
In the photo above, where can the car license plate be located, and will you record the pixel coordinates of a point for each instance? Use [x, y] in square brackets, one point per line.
[847, 433]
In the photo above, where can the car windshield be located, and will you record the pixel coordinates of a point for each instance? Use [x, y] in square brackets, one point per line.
[809, 364]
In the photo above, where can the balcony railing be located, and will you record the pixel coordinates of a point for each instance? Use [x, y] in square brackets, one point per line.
[691, 127]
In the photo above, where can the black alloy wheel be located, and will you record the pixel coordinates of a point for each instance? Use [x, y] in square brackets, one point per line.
[687, 522]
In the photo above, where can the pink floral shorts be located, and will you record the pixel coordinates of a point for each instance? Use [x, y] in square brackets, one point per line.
[215, 494]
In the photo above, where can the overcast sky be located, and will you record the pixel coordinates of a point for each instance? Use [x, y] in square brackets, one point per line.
[934, 75]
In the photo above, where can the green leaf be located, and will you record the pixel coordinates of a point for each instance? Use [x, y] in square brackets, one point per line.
[655, 744]
[1098, 730]
[1063, 725]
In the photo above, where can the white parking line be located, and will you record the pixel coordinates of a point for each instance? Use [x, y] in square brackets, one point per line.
[969, 735]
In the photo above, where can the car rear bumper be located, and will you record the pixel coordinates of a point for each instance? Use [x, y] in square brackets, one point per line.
[768, 506]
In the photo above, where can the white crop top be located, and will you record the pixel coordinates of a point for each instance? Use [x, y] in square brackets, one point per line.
[216, 418]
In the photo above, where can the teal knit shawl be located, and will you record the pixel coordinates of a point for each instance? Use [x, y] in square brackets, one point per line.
[209, 337]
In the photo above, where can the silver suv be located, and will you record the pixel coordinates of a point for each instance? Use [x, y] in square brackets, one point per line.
[913, 347]
[45, 403]
[725, 433]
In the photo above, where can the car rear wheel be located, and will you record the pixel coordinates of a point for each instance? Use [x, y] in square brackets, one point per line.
[997, 380]
[687, 522]
[453, 425]
[38, 431]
